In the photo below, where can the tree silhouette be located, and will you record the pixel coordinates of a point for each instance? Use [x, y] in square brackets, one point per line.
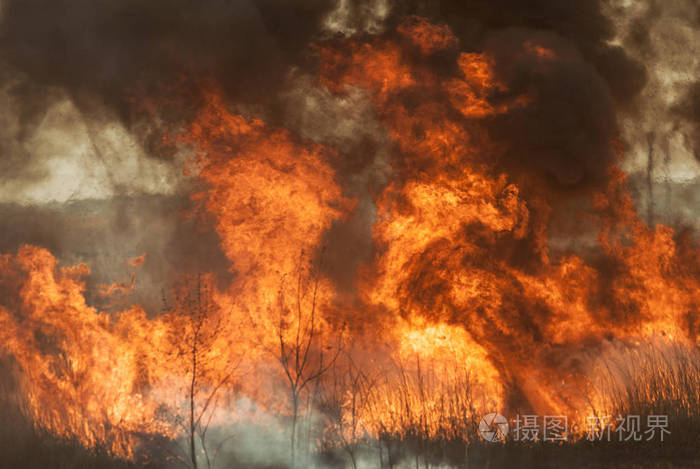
[198, 333]
[306, 347]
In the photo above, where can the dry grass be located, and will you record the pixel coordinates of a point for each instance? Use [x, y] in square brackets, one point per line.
[433, 417]
[655, 378]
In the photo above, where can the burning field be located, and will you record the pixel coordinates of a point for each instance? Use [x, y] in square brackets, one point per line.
[366, 234]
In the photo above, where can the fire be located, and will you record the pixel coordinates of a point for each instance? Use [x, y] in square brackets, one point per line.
[538, 50]
[446, 228]
[451, 320]
[79, 366]
[270, 202]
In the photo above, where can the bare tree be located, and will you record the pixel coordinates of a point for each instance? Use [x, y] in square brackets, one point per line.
[197, 327]
[305, 351]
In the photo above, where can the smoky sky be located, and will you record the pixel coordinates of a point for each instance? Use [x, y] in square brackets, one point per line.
[104, 233]
[688, 109]
[107, 48]
[114, 53]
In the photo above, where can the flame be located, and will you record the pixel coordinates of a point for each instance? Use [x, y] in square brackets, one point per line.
[79, 374]
[270, 202]
[538, 50]
[448, 226]
[137, 261]
[451, 321]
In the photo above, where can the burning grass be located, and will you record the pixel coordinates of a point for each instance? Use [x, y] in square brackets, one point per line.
[344, 422]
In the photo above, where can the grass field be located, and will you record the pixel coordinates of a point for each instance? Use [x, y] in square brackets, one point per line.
[660, 379]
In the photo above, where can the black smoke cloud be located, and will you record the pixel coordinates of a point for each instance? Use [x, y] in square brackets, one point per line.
[581, 23]
[566, 129]
[565, 133]
[105, 48]
[110, 53]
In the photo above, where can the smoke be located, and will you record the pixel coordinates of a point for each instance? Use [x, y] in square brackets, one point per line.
[109, 58]
[566, 131]
[105, 233]
[105, 57]
[67, 157]
[660, 127]
[349, 124]
[102, 53]
[565, 134]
